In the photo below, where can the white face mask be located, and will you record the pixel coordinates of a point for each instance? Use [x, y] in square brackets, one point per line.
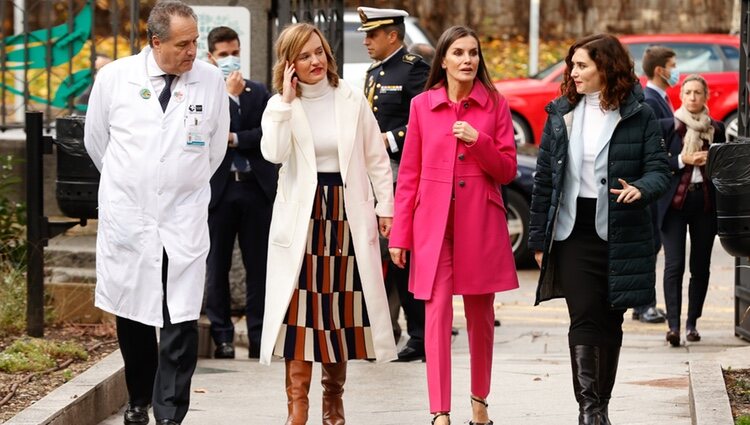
[228, 64]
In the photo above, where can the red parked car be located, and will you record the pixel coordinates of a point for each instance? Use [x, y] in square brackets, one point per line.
[715, 56]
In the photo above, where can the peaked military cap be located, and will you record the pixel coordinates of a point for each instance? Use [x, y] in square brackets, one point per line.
[373, 18]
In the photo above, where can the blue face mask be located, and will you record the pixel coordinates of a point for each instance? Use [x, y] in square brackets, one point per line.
[674, 77]
[228, 64]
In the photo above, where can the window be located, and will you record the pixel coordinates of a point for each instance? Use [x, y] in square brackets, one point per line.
[732, 55]
[691, 57]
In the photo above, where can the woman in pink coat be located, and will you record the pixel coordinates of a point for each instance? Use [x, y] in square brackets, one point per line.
[450, 215]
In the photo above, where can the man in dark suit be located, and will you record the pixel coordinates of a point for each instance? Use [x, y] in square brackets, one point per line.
[660, 66]
[392, 81]
[242, 194]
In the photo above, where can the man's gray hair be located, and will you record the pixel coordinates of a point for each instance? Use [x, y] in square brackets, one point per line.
[161, 16]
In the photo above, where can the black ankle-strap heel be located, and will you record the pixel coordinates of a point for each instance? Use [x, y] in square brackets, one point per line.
[439, 414]
[484, 402]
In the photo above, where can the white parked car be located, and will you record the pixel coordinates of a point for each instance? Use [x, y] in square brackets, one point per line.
[356, 60]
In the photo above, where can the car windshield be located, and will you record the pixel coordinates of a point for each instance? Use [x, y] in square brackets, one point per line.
[546, 71]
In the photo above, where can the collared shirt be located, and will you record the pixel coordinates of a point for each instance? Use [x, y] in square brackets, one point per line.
[658, 89]
[156, 74]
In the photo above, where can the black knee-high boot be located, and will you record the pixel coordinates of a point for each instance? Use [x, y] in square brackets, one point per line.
[584, 360]
[609, 358]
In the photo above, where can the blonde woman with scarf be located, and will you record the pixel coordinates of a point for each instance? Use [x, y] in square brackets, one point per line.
[688, 206]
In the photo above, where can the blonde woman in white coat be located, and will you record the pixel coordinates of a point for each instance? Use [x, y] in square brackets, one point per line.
[323, 303]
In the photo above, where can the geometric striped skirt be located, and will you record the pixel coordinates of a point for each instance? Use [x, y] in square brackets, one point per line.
[326, 320]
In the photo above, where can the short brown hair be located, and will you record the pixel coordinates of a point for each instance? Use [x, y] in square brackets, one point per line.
[290, 44]
[220, 35]
[656, 56]
[614, 65]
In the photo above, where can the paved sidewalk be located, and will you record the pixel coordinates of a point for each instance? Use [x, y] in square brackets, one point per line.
[531, 373]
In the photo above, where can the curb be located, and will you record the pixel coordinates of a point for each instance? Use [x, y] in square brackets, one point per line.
[709, 403]
[87, 399]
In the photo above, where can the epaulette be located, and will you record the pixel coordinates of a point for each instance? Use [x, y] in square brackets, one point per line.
[374, 65]
[411, 58]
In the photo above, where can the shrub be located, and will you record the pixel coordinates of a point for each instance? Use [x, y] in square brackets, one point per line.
[36, 355]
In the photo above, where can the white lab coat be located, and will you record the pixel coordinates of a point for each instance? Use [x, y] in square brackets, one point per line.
[154, 189]
[366, 173]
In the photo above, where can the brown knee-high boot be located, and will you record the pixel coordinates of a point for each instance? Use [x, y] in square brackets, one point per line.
[333, 376]
[298, 375]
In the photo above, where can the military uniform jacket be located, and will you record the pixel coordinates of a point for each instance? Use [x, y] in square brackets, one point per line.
[390, 86]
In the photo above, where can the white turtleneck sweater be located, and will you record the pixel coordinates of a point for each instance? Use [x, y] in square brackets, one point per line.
[318, 102]
[593, 123]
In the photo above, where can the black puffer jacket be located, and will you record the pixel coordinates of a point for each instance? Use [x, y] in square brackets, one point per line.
[637, 155]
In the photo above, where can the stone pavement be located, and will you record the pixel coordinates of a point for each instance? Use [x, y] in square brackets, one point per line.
[531, 382]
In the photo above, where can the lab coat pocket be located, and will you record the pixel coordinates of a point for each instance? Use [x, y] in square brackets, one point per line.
[195, 218]
[123, 228]
[283, 223]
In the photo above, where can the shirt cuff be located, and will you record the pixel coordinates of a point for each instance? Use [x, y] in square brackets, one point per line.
[680, 164]
[234, 98]
[391, 141]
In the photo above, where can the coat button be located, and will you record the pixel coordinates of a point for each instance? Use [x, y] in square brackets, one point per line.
[377, 85]
[559, 161]
[461, 157]
[382, 73]
[466, 105]
[461, 183]
[604, 181]
[401, 134]
[374, 98]
[375, 109]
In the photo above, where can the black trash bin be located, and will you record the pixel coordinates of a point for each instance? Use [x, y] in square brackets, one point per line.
[729, 170]
[77, 177]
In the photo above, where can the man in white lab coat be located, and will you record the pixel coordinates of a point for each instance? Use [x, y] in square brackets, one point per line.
[157, 128]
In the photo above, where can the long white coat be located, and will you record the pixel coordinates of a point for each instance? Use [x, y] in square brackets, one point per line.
[154, 188]
[364, 165]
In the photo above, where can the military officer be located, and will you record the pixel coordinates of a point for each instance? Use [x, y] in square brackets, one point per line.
[392, 81]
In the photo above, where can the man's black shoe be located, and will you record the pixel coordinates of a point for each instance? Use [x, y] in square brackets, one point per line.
[225, 350]
[167, 422]
[653, 315]
[136, 415]
[410, 354]
[636, 315]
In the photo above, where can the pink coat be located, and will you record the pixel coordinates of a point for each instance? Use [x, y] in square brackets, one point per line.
[435, 164]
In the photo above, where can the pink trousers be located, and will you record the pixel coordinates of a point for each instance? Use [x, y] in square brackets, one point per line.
[480, 320]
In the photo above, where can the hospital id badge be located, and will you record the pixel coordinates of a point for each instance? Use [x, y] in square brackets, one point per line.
[195, 136]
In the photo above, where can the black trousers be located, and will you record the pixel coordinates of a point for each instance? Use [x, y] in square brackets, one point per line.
[657, 246]
[159, 373]
[243, 213]
[581, 266]
[398, 279]
[702, 228]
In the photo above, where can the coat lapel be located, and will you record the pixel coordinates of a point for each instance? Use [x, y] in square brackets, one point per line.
[610, 122]
[302, 135]
[347, 115]
[141, 83]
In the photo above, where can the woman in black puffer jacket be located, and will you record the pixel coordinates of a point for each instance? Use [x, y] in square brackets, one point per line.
[601, 163]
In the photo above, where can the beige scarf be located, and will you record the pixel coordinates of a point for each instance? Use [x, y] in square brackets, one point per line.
[699, 128]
